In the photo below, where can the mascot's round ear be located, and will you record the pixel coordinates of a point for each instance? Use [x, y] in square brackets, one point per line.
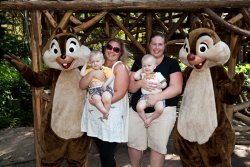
[70, 30]
[59, 30]
[196, 24]
[207, 23]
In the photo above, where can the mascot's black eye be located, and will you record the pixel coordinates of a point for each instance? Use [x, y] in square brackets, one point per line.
[72, 47]
[185, 47]
[203, 47]
[55, 51]
[71, 50]
[54, 47]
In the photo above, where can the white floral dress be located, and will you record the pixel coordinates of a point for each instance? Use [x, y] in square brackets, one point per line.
[115, 128]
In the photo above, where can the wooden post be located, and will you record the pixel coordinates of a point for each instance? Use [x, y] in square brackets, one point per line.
[121, 26]
[91, 22]
[158, 20]
[107, 27]
[36, 42]
[64, 21]
[51, 20]
[234, 47]
[176, 25]
[227, 25]
[149, 20]
[119, 5]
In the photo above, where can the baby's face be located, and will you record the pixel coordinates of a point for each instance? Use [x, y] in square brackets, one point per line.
[96, 62]
[148, 66]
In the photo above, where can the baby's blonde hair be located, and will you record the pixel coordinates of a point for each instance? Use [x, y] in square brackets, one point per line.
[148, 56]
[96, 53]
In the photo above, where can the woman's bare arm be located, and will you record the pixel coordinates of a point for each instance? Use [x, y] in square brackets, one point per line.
[85, 81]
[121, 82]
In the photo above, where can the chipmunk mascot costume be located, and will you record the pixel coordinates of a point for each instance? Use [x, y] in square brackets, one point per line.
[204, 136]
[61, 136]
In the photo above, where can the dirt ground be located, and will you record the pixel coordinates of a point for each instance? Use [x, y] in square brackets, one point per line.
[17, 150]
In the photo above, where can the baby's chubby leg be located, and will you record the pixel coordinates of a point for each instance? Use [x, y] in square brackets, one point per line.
[106, 99]
[140, 107]
[159, 107]
[96, 100]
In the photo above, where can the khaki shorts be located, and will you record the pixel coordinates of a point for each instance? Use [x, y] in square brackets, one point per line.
[156, 136]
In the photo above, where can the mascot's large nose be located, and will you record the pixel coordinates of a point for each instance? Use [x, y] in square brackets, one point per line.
[191, 57]
[63, 56]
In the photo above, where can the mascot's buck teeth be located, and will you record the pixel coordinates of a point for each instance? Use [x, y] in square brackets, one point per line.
[204, 134]
[62, 115]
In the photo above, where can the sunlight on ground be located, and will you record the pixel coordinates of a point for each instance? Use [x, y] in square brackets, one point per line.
[172, 157]
[242, 151]
[28, 134]
[126, 165]
[167, 157]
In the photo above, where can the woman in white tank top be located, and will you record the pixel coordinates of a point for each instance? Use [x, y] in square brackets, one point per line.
[106, 133]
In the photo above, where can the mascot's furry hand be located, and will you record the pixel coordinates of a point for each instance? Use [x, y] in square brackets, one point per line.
[204, 131]
[240, 77]
[12, 59]
[230, 90]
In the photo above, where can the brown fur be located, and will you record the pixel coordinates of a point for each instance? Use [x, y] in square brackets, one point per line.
[60, 129]
[217, 149]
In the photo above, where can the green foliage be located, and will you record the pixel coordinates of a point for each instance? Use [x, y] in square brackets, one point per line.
[15, 93]
[182, 66]
[244, 68]
[15, 98]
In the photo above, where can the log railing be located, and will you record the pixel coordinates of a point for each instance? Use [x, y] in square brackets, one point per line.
[240, 111]
[97, 5]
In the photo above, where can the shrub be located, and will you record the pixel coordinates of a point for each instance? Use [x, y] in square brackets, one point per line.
[15, 98]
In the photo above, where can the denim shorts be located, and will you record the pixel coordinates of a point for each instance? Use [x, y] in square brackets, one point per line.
[99, 91]
[144, 97]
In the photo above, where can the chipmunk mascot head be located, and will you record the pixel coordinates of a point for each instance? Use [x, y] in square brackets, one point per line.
[204, 135]
[60, 130]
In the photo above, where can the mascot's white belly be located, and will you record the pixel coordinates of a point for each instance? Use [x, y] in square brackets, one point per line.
[68, 105]
[197, 117]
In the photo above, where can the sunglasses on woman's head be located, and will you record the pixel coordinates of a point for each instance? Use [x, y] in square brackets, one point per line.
[115, 49]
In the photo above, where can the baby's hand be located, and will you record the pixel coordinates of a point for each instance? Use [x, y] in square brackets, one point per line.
[158, 86]
[147, 85]
[105, 115]
[104, 87]
[148, 122]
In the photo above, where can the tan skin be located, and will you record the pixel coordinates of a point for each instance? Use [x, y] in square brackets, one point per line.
[121, 81]
[157, 46]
